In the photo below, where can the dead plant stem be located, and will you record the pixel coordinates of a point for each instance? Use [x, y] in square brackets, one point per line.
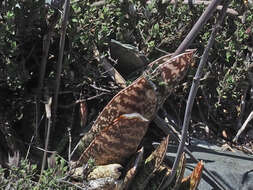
[48, 113]
[197, 27]
[46, 44]
[60, 58]
[198, 75]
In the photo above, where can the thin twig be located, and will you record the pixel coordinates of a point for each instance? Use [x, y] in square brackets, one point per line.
[197, 27]
[69, 183]
[70, 143]
[48, 113]
[69, 132]
[31, 142]
[44, 150]
[196, 80]
[250, 117]
[46, 44]
[82, 100]
[242, 107]
[100, 89]
[60, 58]
[202, 2]
[29, 148]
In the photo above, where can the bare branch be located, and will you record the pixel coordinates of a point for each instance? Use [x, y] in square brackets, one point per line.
[250, 117]
[198, 26]
[61, 52]
[198, 75]
[48, 114]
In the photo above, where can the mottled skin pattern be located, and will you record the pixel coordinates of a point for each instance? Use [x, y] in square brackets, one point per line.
[126, 131]
[113, 133]
[167, 71]
[139, 97]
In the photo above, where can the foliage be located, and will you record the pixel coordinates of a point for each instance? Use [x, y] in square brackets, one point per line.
[151, 26]
[25, 174]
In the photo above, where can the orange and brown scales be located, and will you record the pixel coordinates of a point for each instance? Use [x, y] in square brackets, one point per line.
[167, 71]
[140, 97]
[116, 142]
[172, 69]
[176, 69]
